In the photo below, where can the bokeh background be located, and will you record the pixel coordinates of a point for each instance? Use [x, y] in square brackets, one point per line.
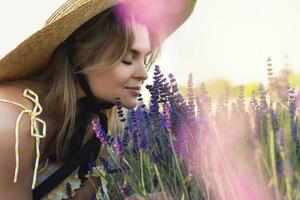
[223, 42]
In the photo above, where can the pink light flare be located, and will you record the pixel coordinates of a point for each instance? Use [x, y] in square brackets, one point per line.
[228, 168]
[161, 17]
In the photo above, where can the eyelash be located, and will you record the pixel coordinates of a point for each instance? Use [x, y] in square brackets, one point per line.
[127, 62]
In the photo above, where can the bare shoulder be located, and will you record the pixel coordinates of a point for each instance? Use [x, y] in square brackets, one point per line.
[9, 112]
[14, 93]
[8, 119]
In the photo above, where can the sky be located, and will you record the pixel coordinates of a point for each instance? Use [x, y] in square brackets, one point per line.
[229, 39]
[234, 38]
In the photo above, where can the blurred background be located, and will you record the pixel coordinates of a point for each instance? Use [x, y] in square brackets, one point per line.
[223, 42]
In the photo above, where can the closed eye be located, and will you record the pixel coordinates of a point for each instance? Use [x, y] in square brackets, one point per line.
[126, 62]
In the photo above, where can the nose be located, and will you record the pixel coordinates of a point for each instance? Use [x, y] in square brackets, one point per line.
[141, 72]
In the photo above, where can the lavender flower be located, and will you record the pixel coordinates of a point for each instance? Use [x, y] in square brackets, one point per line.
[125, 138]
[174, 85]
[262, 98]
[118, 146]
[241, 99]
[134, 120]
[107, 167]
[91, 163]
[146, 117]
[135, 131]
[154, 108]
[125, 189]
[292, 102]
[144, 112]
[199, 107]
[280, 140]
[270, 71]
[135, 145]
[119, 110]
[155, 158]
[143, 140]
[100, 186]
[253, 103]
[274, 119]
[191, 95]
[140, 100]
[167, 113]
[100, 133]
[68, 190]
[205, 100]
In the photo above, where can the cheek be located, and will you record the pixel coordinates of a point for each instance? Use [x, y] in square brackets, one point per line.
[107, 86]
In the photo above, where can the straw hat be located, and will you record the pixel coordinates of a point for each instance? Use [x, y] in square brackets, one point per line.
[34, 53]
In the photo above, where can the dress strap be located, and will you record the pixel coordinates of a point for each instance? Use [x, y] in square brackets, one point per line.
[79, 158]
[34, 130]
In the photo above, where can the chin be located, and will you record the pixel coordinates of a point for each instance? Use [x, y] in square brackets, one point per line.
[129, 105]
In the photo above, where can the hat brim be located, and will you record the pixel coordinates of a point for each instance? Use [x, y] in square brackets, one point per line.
[34, 53]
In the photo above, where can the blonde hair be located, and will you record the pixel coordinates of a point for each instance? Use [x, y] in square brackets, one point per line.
[85, 47]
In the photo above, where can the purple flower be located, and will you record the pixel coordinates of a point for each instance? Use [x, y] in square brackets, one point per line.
[107, 167]
[134, 120]
[119, 109]
[155, 158]
[154, 108]
[205, 100]
[99, 183]
[262, 98]
[125, 138]
[140, 100]
[143, 140]
[274, 119]
[292, 102]
[68, 190]
[125, 188]
[280, 140]
[118, 146]
[253, 103]
[135, 146]
[241, 100]
[270, 70]
[91, 163]
[166, 115]
[147, 117]
[134, 132]
[99, 131]
[191, 95]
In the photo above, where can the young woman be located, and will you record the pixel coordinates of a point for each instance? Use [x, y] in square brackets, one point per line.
[88, 55]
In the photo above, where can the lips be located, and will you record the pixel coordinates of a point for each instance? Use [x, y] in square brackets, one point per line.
[134, 90]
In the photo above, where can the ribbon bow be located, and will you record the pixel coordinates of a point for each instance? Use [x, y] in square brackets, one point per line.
[34, 129]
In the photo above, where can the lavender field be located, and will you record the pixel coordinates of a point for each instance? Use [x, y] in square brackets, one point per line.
[192, 146]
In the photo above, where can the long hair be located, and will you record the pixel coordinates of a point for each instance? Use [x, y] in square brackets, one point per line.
[83, 48]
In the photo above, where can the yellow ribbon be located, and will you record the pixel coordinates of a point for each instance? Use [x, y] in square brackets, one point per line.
[34, 130]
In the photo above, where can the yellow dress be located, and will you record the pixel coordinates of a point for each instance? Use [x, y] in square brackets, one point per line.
[58, 193]
[43, 170]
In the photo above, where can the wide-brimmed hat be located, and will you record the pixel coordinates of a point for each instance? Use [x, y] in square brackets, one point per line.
[34, 53]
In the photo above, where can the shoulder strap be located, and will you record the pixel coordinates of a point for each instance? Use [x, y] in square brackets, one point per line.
[35, 130]
[77, 157]
[66, 170]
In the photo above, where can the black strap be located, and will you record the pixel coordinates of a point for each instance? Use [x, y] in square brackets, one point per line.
[78, 156]
[66, 170]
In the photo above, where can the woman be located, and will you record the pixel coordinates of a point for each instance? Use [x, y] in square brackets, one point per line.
[89, 54]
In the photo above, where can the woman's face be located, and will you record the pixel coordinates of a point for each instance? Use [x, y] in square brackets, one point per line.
[125, 79]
